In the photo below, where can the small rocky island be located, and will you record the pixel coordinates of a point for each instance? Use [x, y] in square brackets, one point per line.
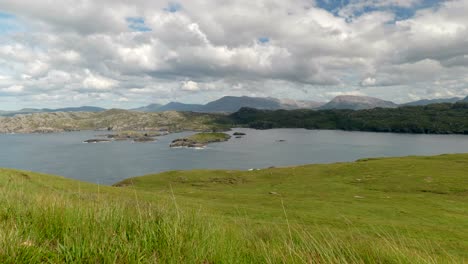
[199, 140]
[239, 134]
[134, 136]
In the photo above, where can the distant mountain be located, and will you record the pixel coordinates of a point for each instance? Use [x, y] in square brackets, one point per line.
[148, 108]
[290, 104]
[229, 104]
[357, 103]
[176, 106]
[76, 109]
[433, 101]
[47, 110]
[465, 100]
[234, 103]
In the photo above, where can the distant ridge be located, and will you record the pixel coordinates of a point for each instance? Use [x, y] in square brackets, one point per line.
[148, 108]
[433, 101]
[230, 104]
[48, 110]
[233, 104]
[354, 102]
[176, 106]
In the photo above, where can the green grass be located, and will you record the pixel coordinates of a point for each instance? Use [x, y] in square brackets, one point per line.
[204, 138]
[395, 210]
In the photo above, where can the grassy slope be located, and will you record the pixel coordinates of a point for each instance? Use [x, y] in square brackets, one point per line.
[398, 210]
[204, 138]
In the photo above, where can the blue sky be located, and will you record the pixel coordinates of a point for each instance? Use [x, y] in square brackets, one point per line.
[334, 6]
[137, 24]
[8, 23]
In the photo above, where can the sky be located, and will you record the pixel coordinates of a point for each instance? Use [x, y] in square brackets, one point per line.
[119, 53]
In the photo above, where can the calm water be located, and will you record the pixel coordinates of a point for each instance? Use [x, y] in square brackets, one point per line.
[107, 163]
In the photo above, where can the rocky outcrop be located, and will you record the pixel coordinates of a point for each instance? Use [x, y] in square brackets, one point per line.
[96, 140]
[199, 140]
[115, 120]
[187, 143]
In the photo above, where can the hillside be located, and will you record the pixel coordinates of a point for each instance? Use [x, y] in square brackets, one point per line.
[430, 119]
[357, 103]
[115, 119]
[392, 210]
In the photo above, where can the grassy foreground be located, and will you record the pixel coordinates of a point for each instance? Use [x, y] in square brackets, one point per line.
[395, 210]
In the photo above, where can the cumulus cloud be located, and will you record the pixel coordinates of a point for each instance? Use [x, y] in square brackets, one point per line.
[190, 86]
[97, 82]
[110, 52]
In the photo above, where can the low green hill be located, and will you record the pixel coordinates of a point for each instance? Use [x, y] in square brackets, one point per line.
[392, 210]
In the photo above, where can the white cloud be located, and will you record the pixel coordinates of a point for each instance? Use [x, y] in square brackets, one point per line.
[122, 99]
[98, 82]
[369, 81]
[87, 51]
[190, 86]
[13, 89]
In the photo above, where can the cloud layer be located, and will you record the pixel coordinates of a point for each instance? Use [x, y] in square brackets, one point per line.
[117, 53]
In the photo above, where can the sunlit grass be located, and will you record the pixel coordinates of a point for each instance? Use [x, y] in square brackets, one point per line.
[307, 214]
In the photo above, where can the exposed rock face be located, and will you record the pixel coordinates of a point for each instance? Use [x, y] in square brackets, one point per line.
[357, 103]
[117, 120]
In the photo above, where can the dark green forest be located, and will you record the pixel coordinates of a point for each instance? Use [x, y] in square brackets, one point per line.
[430, 119]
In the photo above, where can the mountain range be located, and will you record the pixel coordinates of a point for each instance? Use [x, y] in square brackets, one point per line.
[229, 104]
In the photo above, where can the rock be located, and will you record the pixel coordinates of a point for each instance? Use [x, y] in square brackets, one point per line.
[183, 142]
[273, 193]
[239, 134]
[96, 140]
[281, 140]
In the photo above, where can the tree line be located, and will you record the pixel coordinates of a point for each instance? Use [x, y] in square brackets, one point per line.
[430, 119]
